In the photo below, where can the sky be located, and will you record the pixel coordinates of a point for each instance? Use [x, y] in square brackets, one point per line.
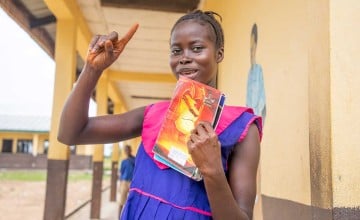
[26, 74]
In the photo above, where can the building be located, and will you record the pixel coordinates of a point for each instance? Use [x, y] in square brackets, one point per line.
[24, 134]
[24, 142]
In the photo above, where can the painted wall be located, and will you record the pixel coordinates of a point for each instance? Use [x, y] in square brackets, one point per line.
[345, 101]
[309, 52]
[282, 52]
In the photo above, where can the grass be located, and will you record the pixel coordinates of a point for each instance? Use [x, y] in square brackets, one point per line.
[107, 163]
[23, 175]
[40, 175]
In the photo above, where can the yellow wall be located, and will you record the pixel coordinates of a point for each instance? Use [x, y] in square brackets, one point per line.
[319, 103]
[282, 52]
[309, 52]
[345, 105]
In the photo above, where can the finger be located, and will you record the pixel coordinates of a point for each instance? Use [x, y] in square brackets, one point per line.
[99, 46]
[194, 131]
[130, 33]
[189, 142]
[93, 42]
[113, 36]
[207, 126]
[190, 146]
[109, 48]
[193, 138]
[201, 130]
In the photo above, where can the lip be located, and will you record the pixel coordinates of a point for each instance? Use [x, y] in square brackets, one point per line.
[188, 72]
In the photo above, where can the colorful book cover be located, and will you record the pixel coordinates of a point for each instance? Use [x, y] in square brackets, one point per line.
[192, 102]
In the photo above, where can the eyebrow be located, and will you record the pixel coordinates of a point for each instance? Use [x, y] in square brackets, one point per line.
[191, 42]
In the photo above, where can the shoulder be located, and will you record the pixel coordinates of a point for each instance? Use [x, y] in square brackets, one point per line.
[156, 106]
[155, 110]
[239, 118]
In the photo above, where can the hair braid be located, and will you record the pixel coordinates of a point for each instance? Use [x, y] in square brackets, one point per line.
[207, 17]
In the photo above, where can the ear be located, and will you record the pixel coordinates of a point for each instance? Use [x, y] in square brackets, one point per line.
[220, 54]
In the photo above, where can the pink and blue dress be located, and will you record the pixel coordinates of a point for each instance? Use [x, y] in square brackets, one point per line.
[158, 192]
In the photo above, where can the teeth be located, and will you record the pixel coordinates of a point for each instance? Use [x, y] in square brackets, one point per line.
[188, 72]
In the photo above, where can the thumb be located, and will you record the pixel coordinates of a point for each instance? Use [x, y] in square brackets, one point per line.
[109, 48]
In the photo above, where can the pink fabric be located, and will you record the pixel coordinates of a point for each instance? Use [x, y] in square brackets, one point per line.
[154, 116]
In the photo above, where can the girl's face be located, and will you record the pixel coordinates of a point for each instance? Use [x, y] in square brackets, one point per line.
[193, 52]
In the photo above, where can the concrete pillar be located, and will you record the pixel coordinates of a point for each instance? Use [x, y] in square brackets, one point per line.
[14, 145]
[114, 171]
[98, 156]
[115, 160]
[58, 154]
[41, 145]
[35, 143]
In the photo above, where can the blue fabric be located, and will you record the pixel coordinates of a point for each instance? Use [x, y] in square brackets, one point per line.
[229, 137]
[167, 194]
[255, 96]
[127, 169]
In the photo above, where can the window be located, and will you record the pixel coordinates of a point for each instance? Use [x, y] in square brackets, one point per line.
[46, 146]
[24, 146]
[7, 146]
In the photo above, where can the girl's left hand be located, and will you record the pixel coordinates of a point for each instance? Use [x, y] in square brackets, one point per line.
[204, 148]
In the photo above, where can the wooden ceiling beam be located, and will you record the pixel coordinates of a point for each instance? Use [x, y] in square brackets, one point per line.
[181, 6]
[22, 17]
[38, 22]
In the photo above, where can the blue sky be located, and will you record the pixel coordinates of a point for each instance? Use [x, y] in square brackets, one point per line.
[26, 74]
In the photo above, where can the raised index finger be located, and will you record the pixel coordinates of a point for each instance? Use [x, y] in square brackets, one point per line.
[130, 33]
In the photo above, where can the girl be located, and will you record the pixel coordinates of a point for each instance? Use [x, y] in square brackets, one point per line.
[227, 157]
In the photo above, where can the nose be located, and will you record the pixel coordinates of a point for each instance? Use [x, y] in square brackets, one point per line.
[185, 58]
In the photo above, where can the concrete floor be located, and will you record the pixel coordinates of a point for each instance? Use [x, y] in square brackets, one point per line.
[109, 210]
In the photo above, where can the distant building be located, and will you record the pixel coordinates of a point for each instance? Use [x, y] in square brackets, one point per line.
[24, 142]
[24, 134]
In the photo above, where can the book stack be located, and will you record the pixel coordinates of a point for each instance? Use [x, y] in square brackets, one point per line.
[191, 103]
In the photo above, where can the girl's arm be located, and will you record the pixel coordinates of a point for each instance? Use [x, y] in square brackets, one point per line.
[76, 127]
[233, 198]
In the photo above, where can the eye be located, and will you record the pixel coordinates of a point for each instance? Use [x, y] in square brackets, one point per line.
[175, 51]
[197, 49]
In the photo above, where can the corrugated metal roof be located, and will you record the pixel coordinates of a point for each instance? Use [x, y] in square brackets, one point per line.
[16, 123]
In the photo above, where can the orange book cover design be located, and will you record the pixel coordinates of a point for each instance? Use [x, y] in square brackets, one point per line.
[192, 102]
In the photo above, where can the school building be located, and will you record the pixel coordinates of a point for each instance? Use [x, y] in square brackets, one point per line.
[24, 143]
[306, 52]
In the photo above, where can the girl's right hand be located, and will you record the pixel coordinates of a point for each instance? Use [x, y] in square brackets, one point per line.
[105, 49]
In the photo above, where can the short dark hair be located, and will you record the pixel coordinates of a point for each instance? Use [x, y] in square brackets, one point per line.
[254, 32]
[209, 18]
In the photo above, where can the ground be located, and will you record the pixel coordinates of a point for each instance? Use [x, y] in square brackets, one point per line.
[25, 200]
